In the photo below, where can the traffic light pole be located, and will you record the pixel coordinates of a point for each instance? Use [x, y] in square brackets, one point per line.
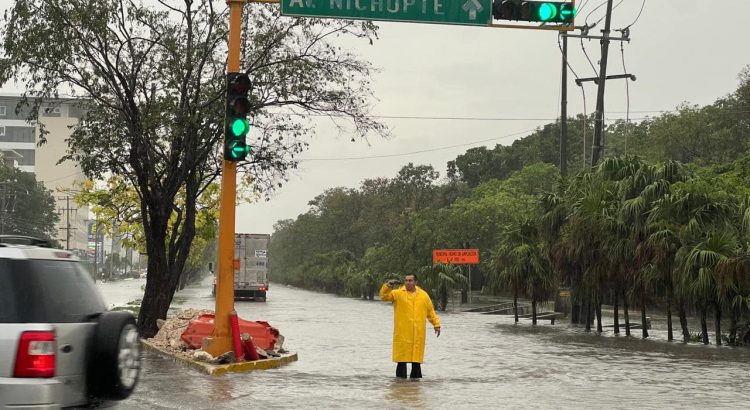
[221, 340]
[596, 149]
[564, 110]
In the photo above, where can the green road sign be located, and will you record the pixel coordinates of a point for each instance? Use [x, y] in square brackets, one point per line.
[466, 12]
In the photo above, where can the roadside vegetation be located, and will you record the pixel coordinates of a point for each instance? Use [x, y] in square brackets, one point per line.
[663, 221]
[151, 81]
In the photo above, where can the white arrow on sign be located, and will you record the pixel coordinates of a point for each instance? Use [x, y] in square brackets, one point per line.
[473, 6]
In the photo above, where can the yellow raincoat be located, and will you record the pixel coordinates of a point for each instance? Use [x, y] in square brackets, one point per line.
[410, 311]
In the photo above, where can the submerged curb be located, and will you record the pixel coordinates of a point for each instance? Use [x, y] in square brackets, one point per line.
[219, 369]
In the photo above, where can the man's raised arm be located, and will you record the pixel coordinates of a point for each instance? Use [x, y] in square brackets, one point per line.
[386, 291]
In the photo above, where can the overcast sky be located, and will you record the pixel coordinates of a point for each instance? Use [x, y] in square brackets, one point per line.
[681, 50]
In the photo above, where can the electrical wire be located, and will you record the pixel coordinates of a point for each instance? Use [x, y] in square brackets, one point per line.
[403, 154]
[613, 9]
[67, 176]
[581, 6]
[586, 20]
[583, 92]
[585, 125]
[439, 118]
[559, 45]
[596, 73]
[637, 17]
[627, 96]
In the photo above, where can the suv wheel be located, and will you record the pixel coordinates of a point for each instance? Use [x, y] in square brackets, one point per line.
[115, 362]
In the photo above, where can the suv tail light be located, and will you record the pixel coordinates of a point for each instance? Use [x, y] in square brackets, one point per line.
[36, 355]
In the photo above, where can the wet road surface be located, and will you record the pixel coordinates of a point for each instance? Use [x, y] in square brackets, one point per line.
[480, 361]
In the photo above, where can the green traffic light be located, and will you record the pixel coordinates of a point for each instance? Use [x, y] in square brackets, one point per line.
[239, 150]
[567, 12]
[547, 11]
[240, 127]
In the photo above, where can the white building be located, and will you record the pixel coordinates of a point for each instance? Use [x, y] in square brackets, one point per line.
[18, 146]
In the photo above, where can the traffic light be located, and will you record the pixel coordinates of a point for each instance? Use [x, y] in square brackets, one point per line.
[236, 124]
[533, 11]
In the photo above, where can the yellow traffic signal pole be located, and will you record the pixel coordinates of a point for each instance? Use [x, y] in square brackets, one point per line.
[221, 341]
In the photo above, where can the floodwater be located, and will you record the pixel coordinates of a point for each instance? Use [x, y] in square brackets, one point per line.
[480, 361]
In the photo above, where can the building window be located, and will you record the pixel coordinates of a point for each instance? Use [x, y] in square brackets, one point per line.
[16, 134]
[29, 156]
[3, 110]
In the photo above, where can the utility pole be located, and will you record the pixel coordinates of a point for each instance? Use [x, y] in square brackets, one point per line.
[3, 213]
[67, 228]
[112, 252]
[7, 206]
[564, 110]
[96, 248]
[596, 148]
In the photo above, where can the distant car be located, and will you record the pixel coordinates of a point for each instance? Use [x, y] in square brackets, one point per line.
[59, 346]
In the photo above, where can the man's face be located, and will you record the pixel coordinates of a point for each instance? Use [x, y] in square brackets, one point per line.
[410, 283]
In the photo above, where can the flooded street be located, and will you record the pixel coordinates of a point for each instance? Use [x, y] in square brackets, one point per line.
[480, 361]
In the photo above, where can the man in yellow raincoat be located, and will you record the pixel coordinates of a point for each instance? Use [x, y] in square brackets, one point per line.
[411, 308]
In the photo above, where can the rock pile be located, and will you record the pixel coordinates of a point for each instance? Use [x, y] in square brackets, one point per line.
[170, 330]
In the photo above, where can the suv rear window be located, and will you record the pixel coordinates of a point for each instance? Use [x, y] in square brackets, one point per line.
[46, 291]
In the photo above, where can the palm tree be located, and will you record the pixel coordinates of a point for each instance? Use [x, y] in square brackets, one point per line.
[662, 245]
[552, 229]
[502, 276]
[699, 266]
[639, 186]
[440, 280]
[683, 221]
[585, 237]
[540, 281]
[522, 266]
[669, 220]
[732, 275]
[733, 286]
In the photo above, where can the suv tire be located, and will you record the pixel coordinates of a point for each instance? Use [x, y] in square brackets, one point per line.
[115, 361]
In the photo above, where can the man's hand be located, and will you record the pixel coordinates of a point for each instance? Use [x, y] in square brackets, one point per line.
[392, 283]
[437, 332]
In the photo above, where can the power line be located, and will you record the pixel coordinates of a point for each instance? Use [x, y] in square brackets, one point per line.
[583, 92]
[67, 176]
[567, 61]
[403, 154]
[582, 6]
[637, 17]
[586, 20]
[439, 118]
[613, 9]
[596, 73]
[627, 96]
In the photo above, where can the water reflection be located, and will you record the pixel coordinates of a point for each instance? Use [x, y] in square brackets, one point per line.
[406, 393]
[480, 361]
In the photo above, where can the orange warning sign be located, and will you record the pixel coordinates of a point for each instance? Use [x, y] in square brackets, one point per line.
[456, 256]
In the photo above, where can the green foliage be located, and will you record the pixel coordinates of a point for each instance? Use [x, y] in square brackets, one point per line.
[152, 76]
[26, 207]
[440, 280]
[668, 223]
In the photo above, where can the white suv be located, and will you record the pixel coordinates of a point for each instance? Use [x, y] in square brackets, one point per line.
[59, 346]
